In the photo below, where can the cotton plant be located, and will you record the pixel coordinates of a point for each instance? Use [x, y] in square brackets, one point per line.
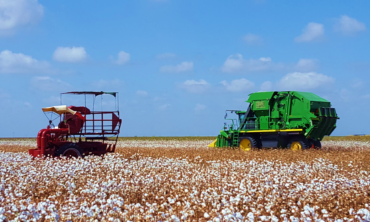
[139, 187]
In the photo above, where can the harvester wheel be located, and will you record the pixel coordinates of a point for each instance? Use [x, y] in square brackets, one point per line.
[247, 143]
[316, 144]
[298, 143]
[69, 150]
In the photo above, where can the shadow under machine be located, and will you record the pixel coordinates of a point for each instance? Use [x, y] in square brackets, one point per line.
[80, 130]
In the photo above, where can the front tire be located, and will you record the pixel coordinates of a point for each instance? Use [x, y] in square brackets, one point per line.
[69, 150]
[299, 143]
[248, 143]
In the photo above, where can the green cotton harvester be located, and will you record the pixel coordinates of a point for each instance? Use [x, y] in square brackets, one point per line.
[296, 120]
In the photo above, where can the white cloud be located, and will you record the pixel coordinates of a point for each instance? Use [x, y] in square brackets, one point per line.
[4, 95]
[252, 39]
[27, 104]
[305, 81]
[164, 107]
[194, 86]
[166, 56]
[47, 83]
[18, 13]
[122, 58]
[141, 93]
[366, 96]
[236, 63]
[313, 32]
[344, 94]
[357, 83]
[70, 54]
[107, 83]
[199, 107]
[238, 85]
[52, 100]
[19, 63]
[183, 67]
[349, 26]
[266, 86]
[305, 65]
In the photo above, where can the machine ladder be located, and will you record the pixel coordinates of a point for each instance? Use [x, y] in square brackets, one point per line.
[235, 142]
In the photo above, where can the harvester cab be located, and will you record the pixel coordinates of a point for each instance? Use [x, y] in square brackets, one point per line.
[236, 120]
[80, 131]
[297, 120]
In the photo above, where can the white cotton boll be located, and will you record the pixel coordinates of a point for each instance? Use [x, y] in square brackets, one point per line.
[89, 213]
[2, 210]
[184, 217]
[228, 211]
[263, 218]
[2, 217]
[31, 208]
[250, 216]
[14, 208]
[294, 219]
[324, 211]
[55, 215]
[174, 218]
[351, 211]
[274, 219]
[216, 219]
[37, 216]
[239, 216]
[223, 212]
[283, 211]
[365, 213]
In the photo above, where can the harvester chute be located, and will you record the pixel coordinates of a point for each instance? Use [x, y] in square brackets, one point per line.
[59, 109]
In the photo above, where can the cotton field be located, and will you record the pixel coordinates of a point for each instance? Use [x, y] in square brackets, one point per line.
[327, 145]
[186, 181]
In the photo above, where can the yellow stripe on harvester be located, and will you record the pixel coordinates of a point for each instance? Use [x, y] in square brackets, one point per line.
[271, 131]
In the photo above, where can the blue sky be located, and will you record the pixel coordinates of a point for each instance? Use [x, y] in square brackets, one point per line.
[178, 65]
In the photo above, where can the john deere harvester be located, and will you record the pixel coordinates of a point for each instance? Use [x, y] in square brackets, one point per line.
[296, 120]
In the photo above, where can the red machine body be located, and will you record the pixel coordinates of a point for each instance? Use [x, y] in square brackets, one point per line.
[80, 131]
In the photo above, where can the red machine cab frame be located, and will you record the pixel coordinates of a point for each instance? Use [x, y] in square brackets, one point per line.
[80, 131]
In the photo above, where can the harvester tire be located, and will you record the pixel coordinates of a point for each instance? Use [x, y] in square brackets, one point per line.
[247, 143]
[298, 143]
[316, 144]
[69, 150]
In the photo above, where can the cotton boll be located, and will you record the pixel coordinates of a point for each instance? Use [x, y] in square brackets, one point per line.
[174, 218]
[206, 215]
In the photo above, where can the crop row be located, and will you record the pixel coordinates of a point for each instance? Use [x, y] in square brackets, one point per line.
[197, 183]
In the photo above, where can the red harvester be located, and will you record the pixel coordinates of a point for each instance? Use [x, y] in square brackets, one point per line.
[80, 131]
